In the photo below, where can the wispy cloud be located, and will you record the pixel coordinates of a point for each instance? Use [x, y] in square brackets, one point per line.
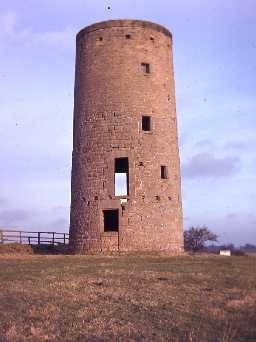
[52, 219]
[3, 202]
[8, 23]
[14, 33]
[13, 217]
[207, 165]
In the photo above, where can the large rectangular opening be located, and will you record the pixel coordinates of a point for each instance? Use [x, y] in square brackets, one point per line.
[121, 177]
[111, 221]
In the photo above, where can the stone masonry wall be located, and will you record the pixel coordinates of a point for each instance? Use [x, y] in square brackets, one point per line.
[112, 92]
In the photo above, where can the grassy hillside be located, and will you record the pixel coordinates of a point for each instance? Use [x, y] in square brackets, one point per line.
[149, 298]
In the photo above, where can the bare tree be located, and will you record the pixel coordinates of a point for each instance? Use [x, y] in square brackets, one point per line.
[196, 237]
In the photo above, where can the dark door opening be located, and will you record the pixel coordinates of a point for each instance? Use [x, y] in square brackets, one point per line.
[111, 221]
[121, 176]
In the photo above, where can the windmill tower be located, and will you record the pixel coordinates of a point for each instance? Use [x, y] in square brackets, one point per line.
[126, 191]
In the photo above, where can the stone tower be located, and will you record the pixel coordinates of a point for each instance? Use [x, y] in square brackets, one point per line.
[125, 171]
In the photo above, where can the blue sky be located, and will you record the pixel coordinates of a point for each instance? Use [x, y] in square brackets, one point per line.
[215, 74]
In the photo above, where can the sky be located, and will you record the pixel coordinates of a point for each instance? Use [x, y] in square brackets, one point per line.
[215, 74]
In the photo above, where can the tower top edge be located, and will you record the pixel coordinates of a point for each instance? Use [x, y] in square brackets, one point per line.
[123, 23]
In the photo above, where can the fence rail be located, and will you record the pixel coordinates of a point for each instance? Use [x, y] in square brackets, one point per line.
[33, 238]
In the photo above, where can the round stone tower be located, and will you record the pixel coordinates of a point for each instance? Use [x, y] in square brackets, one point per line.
[125, 171]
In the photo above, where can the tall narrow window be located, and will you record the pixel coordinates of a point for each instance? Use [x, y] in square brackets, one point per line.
[145, 68]
[111, 221]
[121, 177]
[163, 172]
[146, 123]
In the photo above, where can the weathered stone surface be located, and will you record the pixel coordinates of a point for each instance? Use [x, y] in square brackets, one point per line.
[112, 92]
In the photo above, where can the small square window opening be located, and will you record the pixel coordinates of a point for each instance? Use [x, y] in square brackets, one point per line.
[128, 36]
[146, 123]
[145, 68]
[163, 172]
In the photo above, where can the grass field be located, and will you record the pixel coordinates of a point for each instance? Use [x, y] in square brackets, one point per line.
[127, 298]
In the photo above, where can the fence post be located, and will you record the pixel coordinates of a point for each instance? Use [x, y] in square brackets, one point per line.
[20, 238]
[38, 238]
[64, 238]
[53, 236]
[29, 240]
[1, 236]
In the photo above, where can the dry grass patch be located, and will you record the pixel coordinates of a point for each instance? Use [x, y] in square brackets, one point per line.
[127, 298]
